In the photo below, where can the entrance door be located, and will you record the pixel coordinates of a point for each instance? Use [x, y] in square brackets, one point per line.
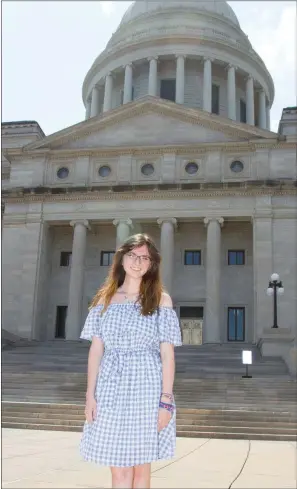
[236, 323]
[61, 322]
[191, 319]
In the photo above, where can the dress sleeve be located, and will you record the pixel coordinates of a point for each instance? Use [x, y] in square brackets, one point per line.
[92, 326]
[169, 328]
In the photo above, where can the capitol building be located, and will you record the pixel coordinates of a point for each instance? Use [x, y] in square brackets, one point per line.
[176, 143]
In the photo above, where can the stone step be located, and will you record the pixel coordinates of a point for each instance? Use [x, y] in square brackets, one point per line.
[210, 421]
[231, 434]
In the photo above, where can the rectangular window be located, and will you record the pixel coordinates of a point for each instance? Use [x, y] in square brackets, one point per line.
[191, 312]
[65, 258]
[236, 323]
[242, 111]
[192, 257]
[215, 99]
[236, 257]
[106, 258]
[61, 315]
[168, 88]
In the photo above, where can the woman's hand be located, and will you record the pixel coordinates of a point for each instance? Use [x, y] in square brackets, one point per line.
[90, 409]
[163, 418]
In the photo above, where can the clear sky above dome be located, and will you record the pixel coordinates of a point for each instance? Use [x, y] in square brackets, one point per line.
[42, 73]
[139, 8]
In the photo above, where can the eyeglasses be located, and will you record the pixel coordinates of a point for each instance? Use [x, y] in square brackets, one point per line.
[142, 258]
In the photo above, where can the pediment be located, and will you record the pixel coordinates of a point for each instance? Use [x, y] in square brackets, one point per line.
[150, 122]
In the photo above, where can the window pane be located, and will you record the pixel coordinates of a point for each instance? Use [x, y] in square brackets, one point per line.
[197, 259]
[231, 324]
[191, 312]
[240, 324]
[240, 258]
[168, 89]
[215, 99]
[65, 258]
[242, 111]
[232, 258]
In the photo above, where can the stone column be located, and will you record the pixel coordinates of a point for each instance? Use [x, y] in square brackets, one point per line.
[267, 117]
[95, 101]
[262, 109]
[212, 322]
[88, 109]
[124, 228]
[167, 251]
[180, 80]
[207, 82]
[108, 92]
[153, 76]
[128, 84]
[250, 109]
[231, 93]
[75, 297]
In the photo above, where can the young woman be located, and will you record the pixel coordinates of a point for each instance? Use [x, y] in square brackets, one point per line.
[130, 408]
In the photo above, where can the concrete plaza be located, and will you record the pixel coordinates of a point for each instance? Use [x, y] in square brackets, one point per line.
[50, 459]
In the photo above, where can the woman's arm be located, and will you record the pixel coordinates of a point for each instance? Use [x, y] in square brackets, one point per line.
[95, 356]
[167, 357]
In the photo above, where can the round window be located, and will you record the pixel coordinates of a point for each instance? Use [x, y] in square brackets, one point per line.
[104, 171]
[63, 172]
[147, 169]
[236, 166]
[191, 168]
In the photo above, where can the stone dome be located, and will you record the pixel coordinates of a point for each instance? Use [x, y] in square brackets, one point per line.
[140, 7]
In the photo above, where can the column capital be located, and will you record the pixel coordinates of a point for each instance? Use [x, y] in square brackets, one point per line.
[152, 58]
[171, 220]
[83, 222]
[109, 74]
[128, 65]
[230, 66]
[249, 77]
[208, 58]
[128, 221]
[207, 220]
[182, 56]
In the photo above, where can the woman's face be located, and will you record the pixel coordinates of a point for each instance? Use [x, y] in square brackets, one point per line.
[137, 262]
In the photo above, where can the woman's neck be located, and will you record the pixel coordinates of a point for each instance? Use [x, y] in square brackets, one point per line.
[131, 285]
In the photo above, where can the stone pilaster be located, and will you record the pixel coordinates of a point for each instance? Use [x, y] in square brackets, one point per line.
[250, 106]
[231, 93]
[128, 84]
[180, 80]
[153, 76]
[124, 228]
[168, 226]
[212, 322]
[108, 92]
[95, 102]
[262, 268]
[76, 285]
[207, 85]
[262, 109]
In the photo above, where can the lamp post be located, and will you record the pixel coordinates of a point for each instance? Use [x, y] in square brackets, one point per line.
[275, 288]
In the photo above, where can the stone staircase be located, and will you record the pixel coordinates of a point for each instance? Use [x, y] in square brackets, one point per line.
[43, 387]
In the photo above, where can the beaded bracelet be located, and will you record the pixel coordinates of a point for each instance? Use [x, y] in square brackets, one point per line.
[164, 405]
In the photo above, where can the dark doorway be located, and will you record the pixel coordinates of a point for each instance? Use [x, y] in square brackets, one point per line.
[61, 322]
[168, 89]
[236, 323]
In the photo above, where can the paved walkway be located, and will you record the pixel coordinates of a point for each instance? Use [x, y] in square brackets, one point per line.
[45, 459]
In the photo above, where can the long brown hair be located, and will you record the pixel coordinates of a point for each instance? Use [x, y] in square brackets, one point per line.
[151, 288]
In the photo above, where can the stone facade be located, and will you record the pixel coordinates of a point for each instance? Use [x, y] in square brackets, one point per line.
[195, 181]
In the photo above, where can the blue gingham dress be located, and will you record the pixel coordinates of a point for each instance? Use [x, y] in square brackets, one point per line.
[129, 384]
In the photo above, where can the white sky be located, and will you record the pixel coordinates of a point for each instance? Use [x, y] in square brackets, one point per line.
[48, 47]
